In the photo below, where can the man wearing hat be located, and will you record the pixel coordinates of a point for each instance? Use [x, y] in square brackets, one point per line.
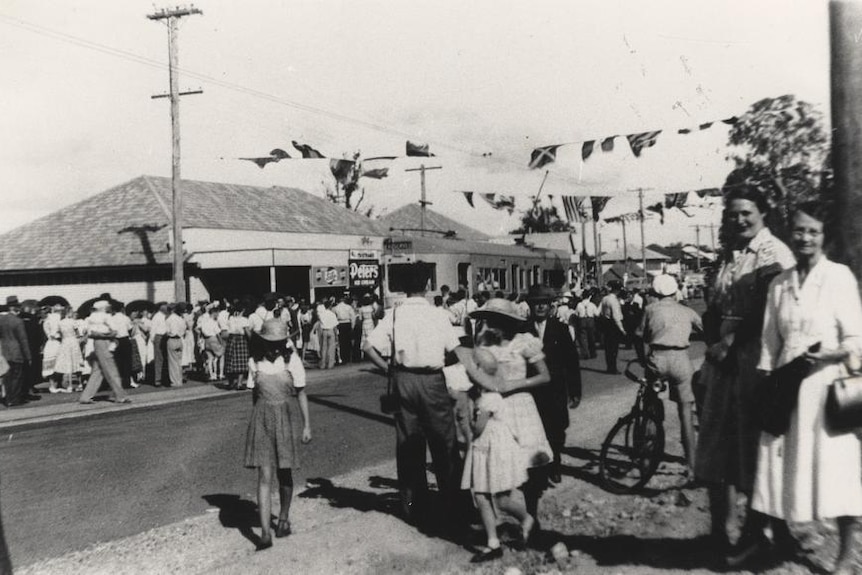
[667, 327]
[103, 363]
[611, 324]
[16, 350]
[561, 356]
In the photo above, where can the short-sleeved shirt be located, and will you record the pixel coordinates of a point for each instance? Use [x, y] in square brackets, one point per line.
[423, 335]
[121, 324]
[236, 324]
[669, 324]
[344, 312]
[176, 326]
[159, 324]
[208, 326]
[586, 309]
[260, 315]
[328, 319]
[294, 367]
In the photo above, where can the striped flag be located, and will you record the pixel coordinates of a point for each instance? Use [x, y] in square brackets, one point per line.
[543, 156]
[573, 208]
[643, 140]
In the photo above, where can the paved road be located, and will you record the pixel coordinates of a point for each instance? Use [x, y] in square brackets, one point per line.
[69, 484]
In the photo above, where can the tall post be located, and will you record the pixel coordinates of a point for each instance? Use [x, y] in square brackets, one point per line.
[422, 201]
[712, 236]
[697, 246]
[625, 246]
[643, 236]
[584, 250]
[597, 251]
[176, 193]
[845, 23]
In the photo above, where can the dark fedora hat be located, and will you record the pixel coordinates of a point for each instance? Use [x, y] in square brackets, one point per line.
[541, 293]
[12, 300]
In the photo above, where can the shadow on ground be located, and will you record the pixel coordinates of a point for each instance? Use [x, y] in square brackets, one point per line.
[236, 513]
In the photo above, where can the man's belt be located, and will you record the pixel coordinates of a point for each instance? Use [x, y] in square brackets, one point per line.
[659, 347]
[419, 370]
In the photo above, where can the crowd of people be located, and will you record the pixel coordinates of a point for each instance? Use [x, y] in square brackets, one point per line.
[163, 343]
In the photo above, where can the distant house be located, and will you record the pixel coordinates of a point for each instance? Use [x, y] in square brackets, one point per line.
[655, 262]
[409, 219]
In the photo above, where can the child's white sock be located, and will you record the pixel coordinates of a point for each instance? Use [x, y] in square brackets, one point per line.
[493, 543]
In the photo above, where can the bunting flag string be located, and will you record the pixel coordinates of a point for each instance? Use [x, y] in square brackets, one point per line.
[469, 197]
[543, 156]
[500, 201]
[598, 204]
[307, 151]
[341, 169]
[643, 140]
[274, 156]
[587, 149]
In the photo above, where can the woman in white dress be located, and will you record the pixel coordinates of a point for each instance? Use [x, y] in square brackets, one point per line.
[811, 473]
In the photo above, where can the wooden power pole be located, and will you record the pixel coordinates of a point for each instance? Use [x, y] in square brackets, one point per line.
[845, 22]
[423, 202]
[171, 17]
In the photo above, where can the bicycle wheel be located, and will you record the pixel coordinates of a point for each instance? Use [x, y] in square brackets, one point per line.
[631, 453]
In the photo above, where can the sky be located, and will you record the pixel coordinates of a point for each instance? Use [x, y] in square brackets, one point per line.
[497, 77]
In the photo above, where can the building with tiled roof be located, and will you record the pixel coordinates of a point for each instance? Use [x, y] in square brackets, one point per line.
[238, 240]
[409, 218]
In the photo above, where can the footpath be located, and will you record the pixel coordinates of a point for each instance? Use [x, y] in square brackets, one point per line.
[347, 524]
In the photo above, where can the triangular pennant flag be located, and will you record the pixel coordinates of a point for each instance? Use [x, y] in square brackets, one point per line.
[469, 197]
[708, 192]
[307, 151]
[376, 173]
[587, 149]
[705, 126]
[543, 156]
[570, 207]
[418, 150]
[275, 155]
[550, 197]
[499, 201]
[675, 200]
[683, 131]
[643, 140]
[608, 144]
[731, 120]
[598, 203]
[659, 209]
[280, 154]
[341, 169]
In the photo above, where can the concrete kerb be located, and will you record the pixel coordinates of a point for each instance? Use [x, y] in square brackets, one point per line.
[30, 416]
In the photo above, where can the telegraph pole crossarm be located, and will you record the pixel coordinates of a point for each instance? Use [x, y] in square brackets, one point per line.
[171, 16]
[422, 201]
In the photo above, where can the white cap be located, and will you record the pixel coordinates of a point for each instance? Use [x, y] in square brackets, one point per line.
[101, 304]
[665, 285]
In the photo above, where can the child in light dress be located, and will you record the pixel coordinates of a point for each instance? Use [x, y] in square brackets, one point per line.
[495, 466]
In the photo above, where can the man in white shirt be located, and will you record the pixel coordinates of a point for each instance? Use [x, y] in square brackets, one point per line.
[586, 313]
[346, 316]
[176, 327]
[158, 329]
[328, 324]
[611, 325]
[122, 325]
[420, 337]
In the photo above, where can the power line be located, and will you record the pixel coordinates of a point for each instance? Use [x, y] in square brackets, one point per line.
[143, 60]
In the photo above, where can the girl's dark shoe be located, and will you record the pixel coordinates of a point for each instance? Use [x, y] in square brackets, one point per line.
[487, 555]
[263, 544]
[282, 529]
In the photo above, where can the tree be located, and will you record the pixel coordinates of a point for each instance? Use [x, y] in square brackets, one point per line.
[781, 148]
[345, 188]
[541, 219]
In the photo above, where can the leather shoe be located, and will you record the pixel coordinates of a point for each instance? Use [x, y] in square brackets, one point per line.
[32, 397]
[487, 555]
[555, 477]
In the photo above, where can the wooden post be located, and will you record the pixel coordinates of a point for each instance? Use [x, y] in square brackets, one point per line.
[176, 193]
[845, 27]
[643, 237]
[422, 201]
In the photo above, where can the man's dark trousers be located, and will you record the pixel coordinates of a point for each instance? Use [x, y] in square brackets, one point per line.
[123, 358]
[14, 382]
[425, 415]
[345, 341]
[611, 337]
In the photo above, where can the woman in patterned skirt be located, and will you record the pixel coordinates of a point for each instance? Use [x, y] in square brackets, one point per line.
[236, 352]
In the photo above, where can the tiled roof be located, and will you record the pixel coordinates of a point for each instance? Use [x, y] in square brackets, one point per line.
[549, 240]
[111, 227]
[410, 217]
[633, 253]
[430, 244]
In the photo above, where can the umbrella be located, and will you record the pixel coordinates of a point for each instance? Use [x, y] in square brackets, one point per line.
[140, 305]
[53, 300]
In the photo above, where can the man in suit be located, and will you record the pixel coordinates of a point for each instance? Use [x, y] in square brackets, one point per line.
[35, 339]
[561, 356]
[16, 350]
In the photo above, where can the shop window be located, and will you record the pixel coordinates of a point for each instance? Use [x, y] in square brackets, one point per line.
[491, 279]
[398, 275]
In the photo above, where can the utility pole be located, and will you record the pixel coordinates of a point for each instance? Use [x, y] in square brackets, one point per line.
[697, 246]
[423, 202]
[845, 21]
[598, 253]
[712, 237]
[641, 216]
[172, 16]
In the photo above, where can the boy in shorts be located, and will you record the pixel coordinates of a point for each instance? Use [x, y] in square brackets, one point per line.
[667, 327]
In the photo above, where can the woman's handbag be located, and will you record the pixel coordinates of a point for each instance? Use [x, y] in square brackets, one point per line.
[778, 396]
[389, 400]
[844, 403]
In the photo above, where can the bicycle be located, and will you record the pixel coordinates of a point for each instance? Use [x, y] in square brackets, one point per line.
[634, 447]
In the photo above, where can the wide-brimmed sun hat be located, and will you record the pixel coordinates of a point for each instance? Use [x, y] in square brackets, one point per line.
[665, 285]
[498, 308]
[274, 330]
